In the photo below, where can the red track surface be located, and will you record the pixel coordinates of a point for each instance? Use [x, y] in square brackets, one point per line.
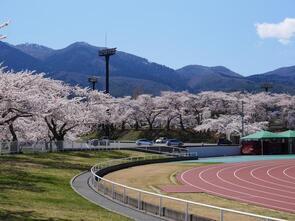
[265, 183]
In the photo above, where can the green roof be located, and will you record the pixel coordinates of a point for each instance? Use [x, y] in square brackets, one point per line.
[262, 135]
[288, 134]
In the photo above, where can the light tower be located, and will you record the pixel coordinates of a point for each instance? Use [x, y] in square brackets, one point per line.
[266, 86]
[93, 81]
[107, 52]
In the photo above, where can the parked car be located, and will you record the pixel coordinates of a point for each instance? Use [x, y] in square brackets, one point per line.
[223, 141]
[104, 141]
[99, 142]
[161, 140]
[174, 142]
[144, 142]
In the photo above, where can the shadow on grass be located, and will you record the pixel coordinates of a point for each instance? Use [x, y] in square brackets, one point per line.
[57, 160]
[15, 179]
[7, 215]
[14, 174]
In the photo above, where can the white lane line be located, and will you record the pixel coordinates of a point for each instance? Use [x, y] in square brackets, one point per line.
[273, 183]
[249, 188]
[276, 178]
[237, 191]
[256, 184]
[232, 197]
[285, 172]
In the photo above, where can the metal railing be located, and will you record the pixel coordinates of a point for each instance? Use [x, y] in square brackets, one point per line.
[53, 146]
[164, 206]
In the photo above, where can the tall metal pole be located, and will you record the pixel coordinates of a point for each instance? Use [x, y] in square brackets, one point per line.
[107, 52]
[243, 115]
[93, 81]
[107, 58]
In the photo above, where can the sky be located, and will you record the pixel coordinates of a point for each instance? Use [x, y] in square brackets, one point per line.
[249, 37]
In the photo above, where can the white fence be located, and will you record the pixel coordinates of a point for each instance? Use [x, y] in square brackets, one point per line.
[161, 205]
[41, 146]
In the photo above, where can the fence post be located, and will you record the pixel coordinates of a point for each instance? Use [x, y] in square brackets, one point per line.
[160, 206]
[221, 215]
[186, 212]
[113, 191]
[124, 194]
[139, 200]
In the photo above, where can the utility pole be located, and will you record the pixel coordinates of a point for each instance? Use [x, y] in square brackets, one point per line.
[243, 115]
[106, 53]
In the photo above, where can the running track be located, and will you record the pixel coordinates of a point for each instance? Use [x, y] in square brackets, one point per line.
[265, 183]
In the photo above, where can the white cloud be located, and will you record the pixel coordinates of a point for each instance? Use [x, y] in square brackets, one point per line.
[282, 31]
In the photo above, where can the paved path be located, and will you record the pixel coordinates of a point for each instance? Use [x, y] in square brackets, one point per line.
[81, 186]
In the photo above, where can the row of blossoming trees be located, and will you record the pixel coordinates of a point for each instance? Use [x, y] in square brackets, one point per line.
[33, 107]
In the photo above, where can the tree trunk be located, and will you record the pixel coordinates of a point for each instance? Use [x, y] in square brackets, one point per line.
[14, 142]
[181, 123]
[168, 124]
[136, 125]
[150, 126]
[123, 125]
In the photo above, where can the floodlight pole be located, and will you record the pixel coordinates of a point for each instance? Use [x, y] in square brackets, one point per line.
[107, 58]
[93, 81]
[106, 53]
[266, 87]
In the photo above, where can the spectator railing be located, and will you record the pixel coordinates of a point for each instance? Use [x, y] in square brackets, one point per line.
[162, 205]
[53, 146]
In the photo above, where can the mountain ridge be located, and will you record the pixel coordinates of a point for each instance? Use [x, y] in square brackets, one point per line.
[129, 72]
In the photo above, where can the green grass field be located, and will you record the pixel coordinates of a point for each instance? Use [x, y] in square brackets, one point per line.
[36, 187]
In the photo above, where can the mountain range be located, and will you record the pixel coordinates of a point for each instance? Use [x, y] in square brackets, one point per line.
[131, 74]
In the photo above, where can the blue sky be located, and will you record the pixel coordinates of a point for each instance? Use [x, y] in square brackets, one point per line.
[169, 32]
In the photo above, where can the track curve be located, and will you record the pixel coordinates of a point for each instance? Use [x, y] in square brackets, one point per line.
[265, 183]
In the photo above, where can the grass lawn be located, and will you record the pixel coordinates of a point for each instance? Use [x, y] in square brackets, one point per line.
[36, 186]
[156, 175]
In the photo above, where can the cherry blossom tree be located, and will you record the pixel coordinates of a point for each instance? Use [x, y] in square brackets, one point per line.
[33, 107]
[150, 108]
[28, 99]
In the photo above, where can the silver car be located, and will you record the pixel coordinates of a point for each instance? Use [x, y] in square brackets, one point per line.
[174, 142]
[144, 142]
[161, 140]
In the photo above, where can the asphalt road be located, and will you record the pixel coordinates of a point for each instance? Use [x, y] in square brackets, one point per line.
[81, 186]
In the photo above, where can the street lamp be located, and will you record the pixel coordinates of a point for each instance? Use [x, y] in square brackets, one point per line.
[266, 86]
[107, 52]
[93, 81]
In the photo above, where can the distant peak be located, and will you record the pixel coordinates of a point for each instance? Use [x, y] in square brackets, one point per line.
[80, 43]
[31, 45]
[219, 67]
